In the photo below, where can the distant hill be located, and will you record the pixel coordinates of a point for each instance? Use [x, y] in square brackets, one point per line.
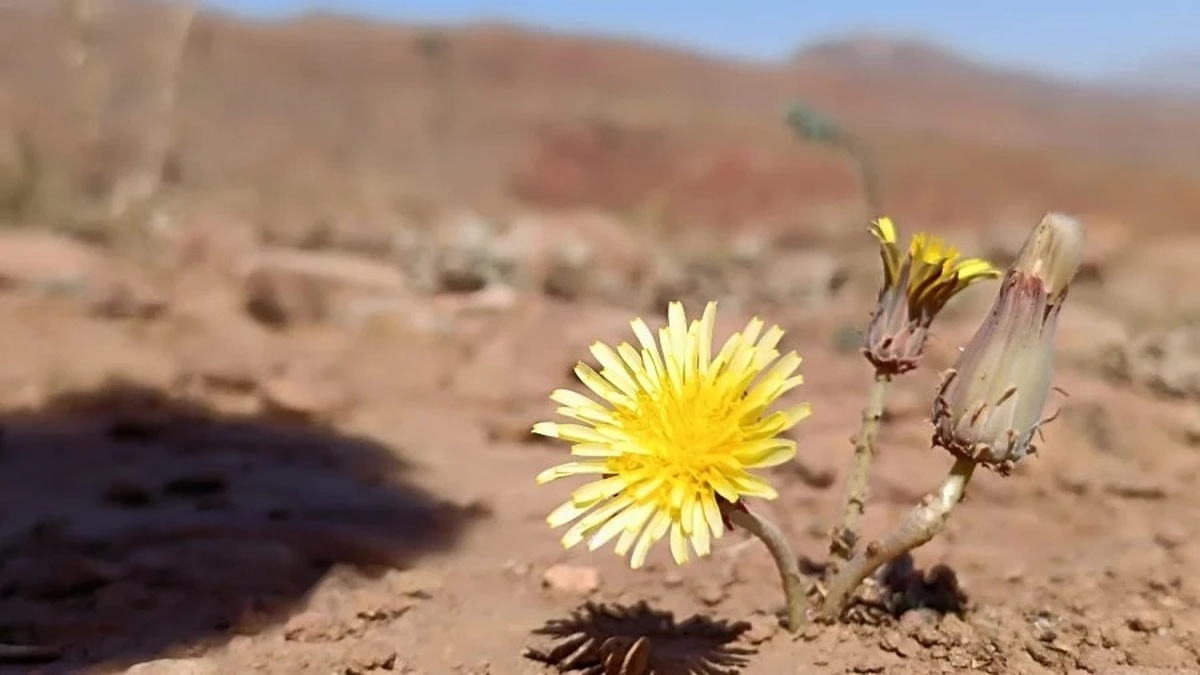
[1176, 73]
[314, 113]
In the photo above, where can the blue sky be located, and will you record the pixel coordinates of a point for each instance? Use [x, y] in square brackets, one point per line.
[1065, 37]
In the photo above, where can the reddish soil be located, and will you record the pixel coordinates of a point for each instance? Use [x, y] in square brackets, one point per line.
[203, 471]
[182, 513]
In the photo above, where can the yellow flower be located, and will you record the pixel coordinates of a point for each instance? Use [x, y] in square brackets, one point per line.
[916, 286]
[674, 434]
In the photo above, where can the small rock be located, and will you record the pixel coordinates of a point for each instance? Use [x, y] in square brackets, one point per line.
[314, 626]
[1189, 432]
[192, 666]
[1148, 621]
[571, 579]
[518, 568]
[1136, 485]
[371, 655]
[1097, 660]
[908, 647]
[47, 262]
[1166, 361]
[1170, 537]
[710, 592]
[126, 294]
[1159, 651]
[872, 664]
[301, 398]
[957, 631]
[762, 628]
[284, 287]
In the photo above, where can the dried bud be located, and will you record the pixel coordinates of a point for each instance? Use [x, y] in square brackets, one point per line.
[915, 288]
[990, 404]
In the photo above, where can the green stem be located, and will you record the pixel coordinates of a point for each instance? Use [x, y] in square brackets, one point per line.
[841, 547]
[794, 591]
[922, 524]
[868, 174]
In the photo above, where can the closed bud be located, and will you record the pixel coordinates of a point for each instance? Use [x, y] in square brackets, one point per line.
[990, 404]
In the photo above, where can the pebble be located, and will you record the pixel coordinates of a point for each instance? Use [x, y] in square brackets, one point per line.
[571, 579]
[762, 628]
[1147, 621]
[195, 666]
[711, 593]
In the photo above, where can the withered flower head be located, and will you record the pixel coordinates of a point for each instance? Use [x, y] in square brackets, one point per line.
[916, 286]
[990, 404]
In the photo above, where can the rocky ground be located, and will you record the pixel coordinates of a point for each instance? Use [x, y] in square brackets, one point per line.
[255, 460]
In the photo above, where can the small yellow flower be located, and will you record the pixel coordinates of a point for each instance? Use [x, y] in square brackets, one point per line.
[674, 435]
[916, 286]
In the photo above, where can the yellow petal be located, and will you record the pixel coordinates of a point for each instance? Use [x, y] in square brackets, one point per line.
[564, 514]
[601, 489]
[654, 531]
[699, 530]
[572, 469]
[765, 453]
[679, 547]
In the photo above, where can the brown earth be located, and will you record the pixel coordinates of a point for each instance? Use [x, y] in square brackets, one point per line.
[247, 455]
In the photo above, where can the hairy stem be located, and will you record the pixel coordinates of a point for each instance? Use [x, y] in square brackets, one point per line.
[845, 535]
[920, 525]
[795, 594]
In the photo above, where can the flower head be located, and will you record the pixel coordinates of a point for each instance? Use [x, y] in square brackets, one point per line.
[990, 404]
[675, 433]
[916, 286]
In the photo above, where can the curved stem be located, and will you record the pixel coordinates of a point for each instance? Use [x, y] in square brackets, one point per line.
[845, 535]
[794, 591]
[868, 174]
[920, 525]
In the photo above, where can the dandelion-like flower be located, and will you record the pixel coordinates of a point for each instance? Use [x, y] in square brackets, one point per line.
[674, 434]
[916, 286]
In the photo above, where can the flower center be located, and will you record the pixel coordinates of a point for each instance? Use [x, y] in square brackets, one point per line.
[684, 437]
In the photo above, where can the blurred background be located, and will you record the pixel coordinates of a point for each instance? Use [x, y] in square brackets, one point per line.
[404, 221]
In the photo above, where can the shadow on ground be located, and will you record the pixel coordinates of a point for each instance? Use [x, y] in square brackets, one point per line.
[134, 526]
[637, 640]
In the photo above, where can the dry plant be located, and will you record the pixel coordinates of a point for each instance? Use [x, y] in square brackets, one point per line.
[142, 183]
[90, 76]
[671, 432]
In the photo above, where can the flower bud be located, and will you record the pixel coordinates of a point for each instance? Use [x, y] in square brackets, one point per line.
[916, 286]
[990, 404]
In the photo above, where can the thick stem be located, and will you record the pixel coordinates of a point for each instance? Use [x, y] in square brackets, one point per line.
[846, 533]
[922, 524]
[794, 591]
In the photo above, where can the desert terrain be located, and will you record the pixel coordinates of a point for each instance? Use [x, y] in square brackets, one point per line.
[275, 416]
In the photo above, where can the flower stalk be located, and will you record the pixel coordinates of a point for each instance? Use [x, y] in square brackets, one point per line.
[920, 526]
[795, 590]
[845, 535]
